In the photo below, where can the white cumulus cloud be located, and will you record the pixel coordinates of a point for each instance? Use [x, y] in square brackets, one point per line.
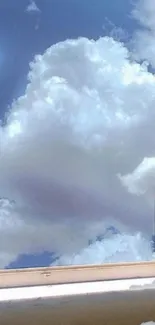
[86, 117]
[120, 247]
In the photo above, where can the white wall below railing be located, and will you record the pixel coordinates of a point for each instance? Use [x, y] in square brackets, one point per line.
[127, 301]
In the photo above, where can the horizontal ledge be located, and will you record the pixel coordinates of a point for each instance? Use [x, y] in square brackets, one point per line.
[75, 289]
[73, 274]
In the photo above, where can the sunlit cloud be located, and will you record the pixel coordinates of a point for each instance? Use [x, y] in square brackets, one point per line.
[86, 117]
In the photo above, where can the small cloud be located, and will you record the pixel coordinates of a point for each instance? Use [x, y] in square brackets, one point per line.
[32, 7]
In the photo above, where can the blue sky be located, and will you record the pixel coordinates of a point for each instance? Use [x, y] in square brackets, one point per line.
[57, 21]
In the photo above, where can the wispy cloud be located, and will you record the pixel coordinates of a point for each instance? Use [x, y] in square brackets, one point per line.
[144, 46]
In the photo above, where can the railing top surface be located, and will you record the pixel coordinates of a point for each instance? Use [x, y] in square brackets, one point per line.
[71, 274]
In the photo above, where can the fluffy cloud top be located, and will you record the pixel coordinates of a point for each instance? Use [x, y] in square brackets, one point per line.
[86, 117]
[120, 247]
